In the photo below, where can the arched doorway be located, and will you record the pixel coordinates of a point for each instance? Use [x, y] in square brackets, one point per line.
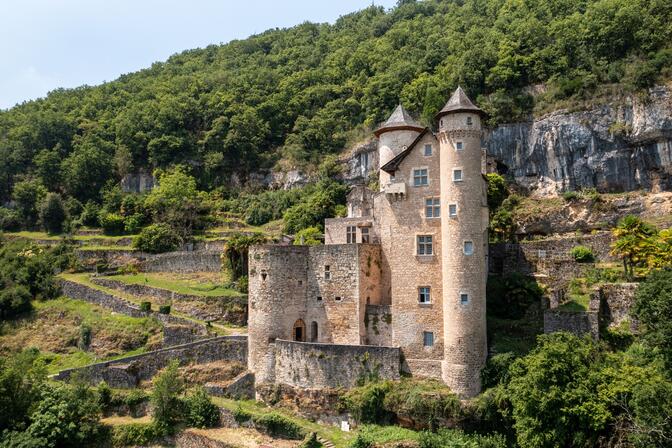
[299, 331]
[313, 331]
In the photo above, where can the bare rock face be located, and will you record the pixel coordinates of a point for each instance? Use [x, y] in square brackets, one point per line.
[625, 145]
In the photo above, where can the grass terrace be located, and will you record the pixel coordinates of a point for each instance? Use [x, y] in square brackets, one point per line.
[203, 285]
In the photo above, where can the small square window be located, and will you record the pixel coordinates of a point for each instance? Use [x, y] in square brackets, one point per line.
[319, 298]
[428, 338]
[365, 235]
[432, 208]
[420, 178]
[428, 150]
[464, 298]
[469, 121]
[327, 272]
[425, 245]
[351, 234]
[452, 210]
[468, 247]
[300, 282]
[459, 146]
[457, 175]
[424, 294]
[338, 299]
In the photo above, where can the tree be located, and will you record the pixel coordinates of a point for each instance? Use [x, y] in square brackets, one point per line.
[310, 236]
[157, 238]
[52, 213]
[237, 249]
[87, 169]
[633, 240]
[48, 168]
[202, 412]
[21, 378]
[497, 190]
[165, 398]
[653, 308]
[28, 194]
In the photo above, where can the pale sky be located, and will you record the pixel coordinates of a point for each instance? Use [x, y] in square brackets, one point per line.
[46, 44]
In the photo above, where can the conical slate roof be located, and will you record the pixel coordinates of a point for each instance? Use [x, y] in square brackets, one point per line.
[399, 120]
[459, 102]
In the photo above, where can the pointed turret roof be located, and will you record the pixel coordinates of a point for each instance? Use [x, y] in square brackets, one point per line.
[399, 120]
[459, 102]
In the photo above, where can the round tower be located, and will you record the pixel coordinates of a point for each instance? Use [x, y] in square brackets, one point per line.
[464, 221]
[394, 136]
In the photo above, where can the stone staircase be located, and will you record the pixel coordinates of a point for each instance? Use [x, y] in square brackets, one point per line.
[325, 443]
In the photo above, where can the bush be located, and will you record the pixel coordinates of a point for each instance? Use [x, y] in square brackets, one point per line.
[104, 392]
[164, 309]
[312, 236]
[133, 223]
[157, 238]
[135, 434]
[570, 196]
[582, 254]
[9, 219]
[242, 284]
[146, 306]
[89, 215]
[14, 301]
[496, 370]
[653, 308]
[112, 223]
[423, 401]
[52, 213]
[456, 438]
[201, 411]
[310, 441]
[367, 403]
[166, 404]
[277, 425]
[497, 190]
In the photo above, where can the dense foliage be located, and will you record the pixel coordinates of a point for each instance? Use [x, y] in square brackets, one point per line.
[294, 95]
[653, 308]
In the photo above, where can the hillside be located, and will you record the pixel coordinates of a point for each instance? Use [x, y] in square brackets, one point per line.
[287, 97]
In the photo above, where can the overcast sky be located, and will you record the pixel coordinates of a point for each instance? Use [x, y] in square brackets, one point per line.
[45, 44]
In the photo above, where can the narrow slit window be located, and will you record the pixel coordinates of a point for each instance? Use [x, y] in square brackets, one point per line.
[327, 272]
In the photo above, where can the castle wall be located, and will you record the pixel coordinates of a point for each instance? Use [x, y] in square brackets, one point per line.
[335, 230]
[401, 221]
[327, 365]
[378, 324]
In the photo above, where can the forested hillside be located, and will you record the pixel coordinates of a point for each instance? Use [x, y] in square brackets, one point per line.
[288, 97]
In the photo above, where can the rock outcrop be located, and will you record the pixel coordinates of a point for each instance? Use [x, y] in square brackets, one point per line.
[623, 145]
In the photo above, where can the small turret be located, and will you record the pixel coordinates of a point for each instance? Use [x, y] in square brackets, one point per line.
[394, 136]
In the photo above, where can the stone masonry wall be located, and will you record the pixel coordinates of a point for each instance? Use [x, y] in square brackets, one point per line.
[184, 262]
[329, 365]
[578, 323]
[378, 323]
[127, 372]
[615, 302]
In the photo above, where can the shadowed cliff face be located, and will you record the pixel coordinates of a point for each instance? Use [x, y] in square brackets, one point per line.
[623, 146]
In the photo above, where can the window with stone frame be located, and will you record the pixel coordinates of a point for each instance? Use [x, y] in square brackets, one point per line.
[457, 175]
[459, 146]
[327, 272]
[432, 208]
[425, 244]
[424, 294]
[365, 235]
[420, 177]
[470, 121]
[468, 248]
[351, 234]
[452, 210]
[428, 150]
[428, 338]
[464, 298]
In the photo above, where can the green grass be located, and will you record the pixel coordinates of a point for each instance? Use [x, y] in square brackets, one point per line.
[54, 327]
[192, 287]
[387, 434]
[46, 236]
[108, 248]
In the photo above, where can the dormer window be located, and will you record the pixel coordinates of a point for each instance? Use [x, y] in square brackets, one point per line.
[459, 146]
[428, 150]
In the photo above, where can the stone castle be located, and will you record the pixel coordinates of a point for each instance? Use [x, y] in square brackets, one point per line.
[399, 284]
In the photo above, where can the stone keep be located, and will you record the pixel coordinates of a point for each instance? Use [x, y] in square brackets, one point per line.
[405, 270]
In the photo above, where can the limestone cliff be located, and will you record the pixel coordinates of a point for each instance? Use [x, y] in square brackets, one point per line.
[623, 145]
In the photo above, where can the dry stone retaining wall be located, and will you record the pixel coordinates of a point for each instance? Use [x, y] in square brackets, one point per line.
[329, 365]
[128, 372]
[578, 323]
[183, 262]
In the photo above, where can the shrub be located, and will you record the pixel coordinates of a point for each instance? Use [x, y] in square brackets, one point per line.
[570, 196]
[157, 238]
[52, 213]
[241, 416]
[201, 411]
[361, 441]
[277, 425]
[89, 215]
[582, 254]
[14, 301]
[146, 306]
[497, 190]
[135, 434]
[496, 370]
[164, 309]
[133, 223]
[167, 407]
[423, 401]
[456, 438]
[9, 219]
[104, 392]
[310, 441]
[112, 223]
[84, 337]
[653, 308]
[366, 403]
[311, 236]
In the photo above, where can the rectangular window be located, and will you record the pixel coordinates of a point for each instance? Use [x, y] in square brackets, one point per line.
[459, 146]
[338, 299]
[457, 175]
[469, 121]
[420, 177]
[424, 294]
[428, 150]
[365, 235]
[351, 234]
[319, 298]
[468, 248]
[464, 298]
[327, 272]
[432, 208]
[452, 210]
[425, 245]
[427, 338]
